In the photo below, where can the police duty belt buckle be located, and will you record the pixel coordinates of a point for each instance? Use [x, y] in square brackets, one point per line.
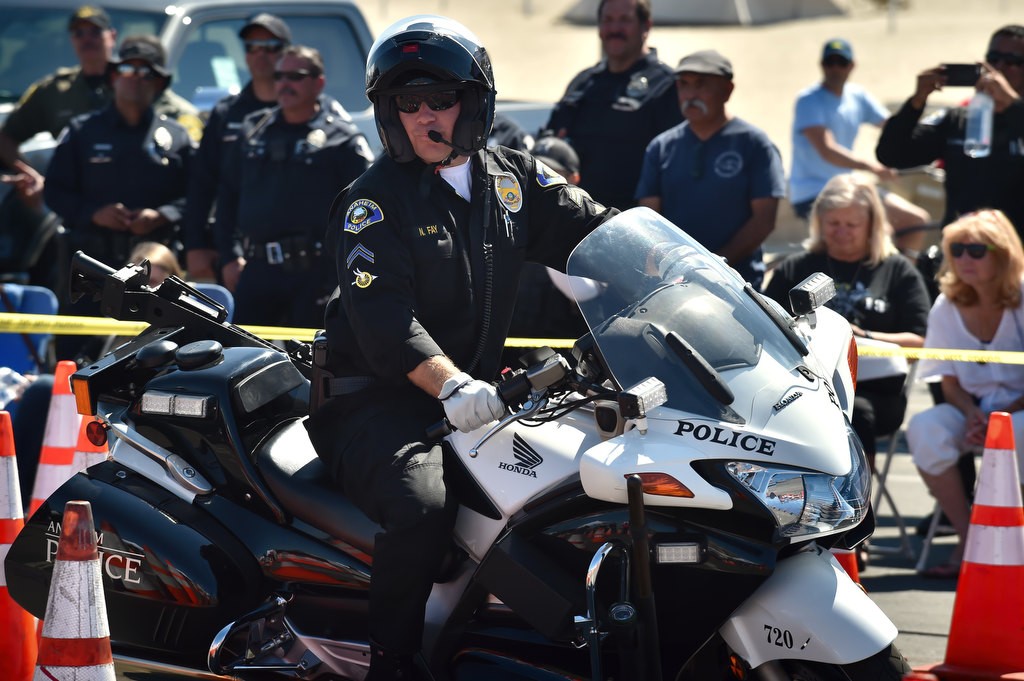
[275, 254]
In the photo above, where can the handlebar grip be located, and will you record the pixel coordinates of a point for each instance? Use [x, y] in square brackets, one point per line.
[439, 430]
[87, 275]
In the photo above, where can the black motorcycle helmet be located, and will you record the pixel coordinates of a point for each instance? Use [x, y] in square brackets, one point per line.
[424, 53]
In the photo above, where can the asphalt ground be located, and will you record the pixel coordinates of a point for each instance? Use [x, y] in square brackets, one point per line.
[535, 54]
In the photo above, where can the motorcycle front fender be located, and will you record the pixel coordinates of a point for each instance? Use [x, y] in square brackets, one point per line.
[809, 609]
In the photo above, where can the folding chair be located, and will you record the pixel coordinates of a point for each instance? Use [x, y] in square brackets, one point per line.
[23, 352]
[881, 474]
[219, 294]
[966, 459]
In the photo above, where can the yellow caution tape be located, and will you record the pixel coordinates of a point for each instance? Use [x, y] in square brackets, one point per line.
[99, 326]
[951, 355]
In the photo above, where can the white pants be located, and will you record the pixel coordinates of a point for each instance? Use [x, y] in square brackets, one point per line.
[936, 438]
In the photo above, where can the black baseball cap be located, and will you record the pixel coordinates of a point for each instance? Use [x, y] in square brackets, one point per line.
[272, 23]
[147, 48]
[92, 14]
[557, 153]
[708, 62]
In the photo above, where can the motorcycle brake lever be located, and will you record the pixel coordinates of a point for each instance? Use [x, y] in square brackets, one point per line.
[537, 401]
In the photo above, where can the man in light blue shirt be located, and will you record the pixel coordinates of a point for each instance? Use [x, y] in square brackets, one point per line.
[828, 116]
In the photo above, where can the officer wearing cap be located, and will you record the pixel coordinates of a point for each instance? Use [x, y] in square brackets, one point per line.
[264, 36]
[430, 242]
[612, 110]
[715, 175]
[118, 174]
[276, 187]
[49, 104]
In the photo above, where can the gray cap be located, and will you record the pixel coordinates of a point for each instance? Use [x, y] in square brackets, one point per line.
[708, 62]
[272, 23]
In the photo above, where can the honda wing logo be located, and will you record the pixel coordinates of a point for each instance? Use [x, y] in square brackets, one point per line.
[527, 458]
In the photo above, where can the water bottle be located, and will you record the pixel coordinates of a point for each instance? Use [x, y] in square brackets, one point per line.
[978, 130]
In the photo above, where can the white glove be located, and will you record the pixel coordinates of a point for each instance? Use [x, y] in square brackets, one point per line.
[469, 403]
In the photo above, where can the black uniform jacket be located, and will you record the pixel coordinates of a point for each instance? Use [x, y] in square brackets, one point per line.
[423, 272]
[222, 129]
[996, 181]
[278, 179]
[611, 118]
[102, 160]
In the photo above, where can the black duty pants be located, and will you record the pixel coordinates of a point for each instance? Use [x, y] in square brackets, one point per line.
[373, 442]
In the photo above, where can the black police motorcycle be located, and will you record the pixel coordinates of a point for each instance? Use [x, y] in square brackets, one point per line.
[663, 509]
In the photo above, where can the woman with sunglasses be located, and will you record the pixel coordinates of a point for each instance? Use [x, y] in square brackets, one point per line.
[979, 309]
[878, 291]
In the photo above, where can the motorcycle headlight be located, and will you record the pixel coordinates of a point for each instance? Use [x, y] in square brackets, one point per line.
[804, 502]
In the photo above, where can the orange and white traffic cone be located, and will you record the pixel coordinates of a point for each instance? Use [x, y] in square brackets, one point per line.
[59, 440]
[76, 635]
[986, 637]
[848, 559]
[17, 627]
[86, 453]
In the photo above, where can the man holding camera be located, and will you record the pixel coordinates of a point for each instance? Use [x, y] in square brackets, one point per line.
[993, 181]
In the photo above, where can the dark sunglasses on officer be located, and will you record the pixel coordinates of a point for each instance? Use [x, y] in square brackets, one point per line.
[295, 76]
[143, 71]
[436, 101]
[271, 45]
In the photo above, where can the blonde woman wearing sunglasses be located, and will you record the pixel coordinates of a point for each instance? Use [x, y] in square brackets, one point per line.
[979, 309]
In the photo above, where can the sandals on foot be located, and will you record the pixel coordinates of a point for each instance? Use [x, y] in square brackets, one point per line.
[943, 571]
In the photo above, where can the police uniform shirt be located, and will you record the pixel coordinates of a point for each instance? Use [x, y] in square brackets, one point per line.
[100, 160]
[49, 104]
[222, 129]
[610, 119]
[279, 179]
[423, 272]
[971, 183]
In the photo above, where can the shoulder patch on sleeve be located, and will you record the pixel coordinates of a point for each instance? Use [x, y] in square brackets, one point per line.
[361, 214]
[546, 177]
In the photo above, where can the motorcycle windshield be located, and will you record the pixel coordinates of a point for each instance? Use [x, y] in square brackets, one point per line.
[660, 304]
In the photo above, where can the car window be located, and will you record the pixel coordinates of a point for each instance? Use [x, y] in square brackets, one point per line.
[212, 64]
[34, 42]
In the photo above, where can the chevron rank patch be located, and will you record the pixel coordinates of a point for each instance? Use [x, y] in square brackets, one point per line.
[361, 214]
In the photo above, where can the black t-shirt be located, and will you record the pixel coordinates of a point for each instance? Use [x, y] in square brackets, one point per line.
[889, 297]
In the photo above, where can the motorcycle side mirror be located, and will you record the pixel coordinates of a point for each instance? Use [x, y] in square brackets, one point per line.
[811, 293]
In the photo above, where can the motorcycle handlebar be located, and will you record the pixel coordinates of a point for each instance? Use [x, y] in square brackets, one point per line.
[87, 276]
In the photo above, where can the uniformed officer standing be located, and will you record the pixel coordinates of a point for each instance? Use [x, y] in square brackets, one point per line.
[51, 103]
[264, 36]
[118, 174]
[611, 111]
[431, 240]
[277, 184]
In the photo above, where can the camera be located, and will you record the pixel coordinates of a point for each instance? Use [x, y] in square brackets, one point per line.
[962, 75]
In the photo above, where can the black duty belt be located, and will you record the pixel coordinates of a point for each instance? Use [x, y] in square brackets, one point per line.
[286, 250]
